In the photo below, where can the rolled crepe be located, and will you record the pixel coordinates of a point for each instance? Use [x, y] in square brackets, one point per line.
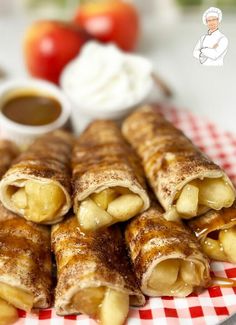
[37, 187]
[182, 177]
[216, 231]
[94, 273]
[108, 180]
[25, 262]
[8, 152]
[166, 255]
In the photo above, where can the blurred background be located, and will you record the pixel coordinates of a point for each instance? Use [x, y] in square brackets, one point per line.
[170, 30]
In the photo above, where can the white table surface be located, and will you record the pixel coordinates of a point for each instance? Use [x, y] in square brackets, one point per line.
[208, 91]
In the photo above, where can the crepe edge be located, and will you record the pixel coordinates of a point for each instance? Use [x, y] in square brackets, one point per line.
[13, 178]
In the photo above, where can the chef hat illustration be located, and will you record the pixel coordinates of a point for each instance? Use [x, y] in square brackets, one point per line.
[212, 12]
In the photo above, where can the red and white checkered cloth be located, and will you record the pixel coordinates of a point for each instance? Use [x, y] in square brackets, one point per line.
[214, 304]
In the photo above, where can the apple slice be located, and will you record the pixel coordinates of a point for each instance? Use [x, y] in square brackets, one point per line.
[91, 217]
[172, 215]
[187, 204]
[125, 206]
[189, 274]
[43, 200]
[227, 238]
[115, 307]
[103, 198]
[164, 275]
[214, 249]
[16, 297]
[215, 193]
[8, 313]
[19, 199]
[88, 300]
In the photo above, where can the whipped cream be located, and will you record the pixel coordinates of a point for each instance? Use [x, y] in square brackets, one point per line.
[104, 78]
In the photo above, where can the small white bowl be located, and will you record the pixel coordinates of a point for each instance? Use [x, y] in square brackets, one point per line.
[23, 135]
[82, 116]
[103, 82]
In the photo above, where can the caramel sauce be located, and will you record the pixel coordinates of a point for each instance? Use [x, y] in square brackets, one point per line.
[223, 282]
[32, 109]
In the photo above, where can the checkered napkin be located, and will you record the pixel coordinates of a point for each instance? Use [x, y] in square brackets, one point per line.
[214, 304]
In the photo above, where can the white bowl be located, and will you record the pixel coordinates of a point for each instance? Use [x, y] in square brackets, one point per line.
[82, 116]
[103, 82]
[23, 135]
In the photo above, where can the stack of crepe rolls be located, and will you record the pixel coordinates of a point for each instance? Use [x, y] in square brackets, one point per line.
[8, 152]
[25, 266]
[166, 255]
[37, 186]
[185, 181]
[94, 273]
[216, 231]
[108, 180]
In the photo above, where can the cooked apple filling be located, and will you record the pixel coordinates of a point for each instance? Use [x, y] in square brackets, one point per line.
[175, 277]
[16, 297]
[8, 313]
[222, 248]
[10, 299]
[39, 201]
[104, 304]
[200, 195]
[107, 207]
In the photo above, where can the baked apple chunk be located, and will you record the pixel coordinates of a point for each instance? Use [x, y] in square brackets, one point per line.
[12, 298]
[8, 313]
[108, 207]
[200, 195]
[16, 297]
[223, 247]
[175, 277]
[39, 201]
[103, 304]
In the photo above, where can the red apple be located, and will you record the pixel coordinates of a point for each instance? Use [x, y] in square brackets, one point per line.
[110, 21]
[49, 46]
